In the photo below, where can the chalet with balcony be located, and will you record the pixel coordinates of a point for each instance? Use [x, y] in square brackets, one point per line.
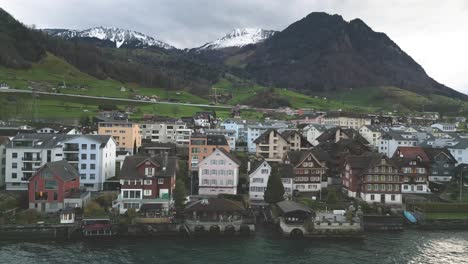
[146, 182]
[373, 177]
[271, 146]
[309, 169]
[414, 165]
[52, 187]
[442, 164]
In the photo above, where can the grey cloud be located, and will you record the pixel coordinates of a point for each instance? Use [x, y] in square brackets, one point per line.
[420, 27]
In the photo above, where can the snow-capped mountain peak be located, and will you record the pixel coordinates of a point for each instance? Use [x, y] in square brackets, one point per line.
[240, 37]
[116, 35]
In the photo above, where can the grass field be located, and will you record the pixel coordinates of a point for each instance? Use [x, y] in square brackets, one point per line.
[446, 215]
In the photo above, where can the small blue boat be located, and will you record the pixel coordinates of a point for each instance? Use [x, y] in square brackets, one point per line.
[410, 217]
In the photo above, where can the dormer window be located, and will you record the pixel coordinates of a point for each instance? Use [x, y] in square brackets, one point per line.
[149, 171]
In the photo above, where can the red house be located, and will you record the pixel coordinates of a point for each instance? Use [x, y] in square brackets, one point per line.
[146, 183]
[52, 185]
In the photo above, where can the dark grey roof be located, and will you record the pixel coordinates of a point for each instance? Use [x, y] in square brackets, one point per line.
[129, 167]
[44, 141]
[215, 204]
[62, 169]
[217, 140]
[291, 206]
[267, 133]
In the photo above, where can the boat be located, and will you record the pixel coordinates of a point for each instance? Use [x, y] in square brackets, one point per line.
[410, 217]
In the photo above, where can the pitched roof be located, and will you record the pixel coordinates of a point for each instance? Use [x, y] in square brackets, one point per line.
[61, 168]
[329, 135]
[129, 168]
[433, 152]
[215, 204]
[267, 133]
[364, 161]
[229, 155]
[289, 206]
[411, 153]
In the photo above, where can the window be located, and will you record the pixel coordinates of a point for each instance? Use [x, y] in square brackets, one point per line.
[83, 156]
[406, 170]
[93, 156]
[213, 172]
[93, 166]
[419, 188]
[264, 171]
[50, 185]
[257, 180]
[83, 166]
[93, 146]
[421, 170]
[213, 182]
[55, 196]
[229, 182]
[92, 176]
[83, 176]
[14, 155]
[147, 192]
[205, 172]
[213, 162]
[160, 181]
[221, 172]
[84, 146]
[372, 197]
[229, 172]
[205, 182]
[392, 197]
[148, 182]
[149, 171]
[221, 162]
[14, 175]
[14, 165]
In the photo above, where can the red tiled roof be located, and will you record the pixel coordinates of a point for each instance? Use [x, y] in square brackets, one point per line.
[411, 153]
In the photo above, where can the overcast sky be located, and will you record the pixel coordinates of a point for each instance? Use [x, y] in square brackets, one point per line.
[433, 32]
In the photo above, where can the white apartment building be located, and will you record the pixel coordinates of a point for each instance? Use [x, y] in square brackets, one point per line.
[312, 132]
[3, 142]
[258, 180]
[445, 127]
[345, 119]
[372, 134]
[390, 141]
[166, 131]
[92, 155]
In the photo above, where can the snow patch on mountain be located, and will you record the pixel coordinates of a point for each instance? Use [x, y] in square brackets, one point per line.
[239, 37]
[114, 34]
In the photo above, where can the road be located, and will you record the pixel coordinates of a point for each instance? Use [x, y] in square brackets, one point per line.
[114, 98]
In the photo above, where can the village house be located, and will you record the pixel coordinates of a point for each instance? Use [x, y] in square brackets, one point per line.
[166, 130]
[445, 127]
[205, 119]
[3, 142]
[52, 187]
[312, 132]
[201, 146]
[442, 164]
[258, 180]
[309, 169]
[126, 134]
[414, 165]
[389, 142]
[373, 177]
[372, 134]
[254, 131]
[92, 155]
[146, 182]
[271, 146]
[346, 119]
[218, 173]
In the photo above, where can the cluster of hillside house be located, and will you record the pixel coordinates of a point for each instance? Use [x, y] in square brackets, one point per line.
[371, 157]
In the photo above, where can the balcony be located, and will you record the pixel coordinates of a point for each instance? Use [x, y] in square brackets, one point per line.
[31, 159]
[71, 148]
[72, 158]
[28, 168]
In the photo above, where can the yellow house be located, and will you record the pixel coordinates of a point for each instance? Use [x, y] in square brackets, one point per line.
[126, 134]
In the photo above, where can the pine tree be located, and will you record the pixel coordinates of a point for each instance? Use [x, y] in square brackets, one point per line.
[275, 189]
[179, 195]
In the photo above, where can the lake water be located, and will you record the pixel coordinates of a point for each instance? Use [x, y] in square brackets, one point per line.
[411, 246]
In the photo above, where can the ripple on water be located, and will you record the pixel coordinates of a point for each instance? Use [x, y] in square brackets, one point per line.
[406, 247]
